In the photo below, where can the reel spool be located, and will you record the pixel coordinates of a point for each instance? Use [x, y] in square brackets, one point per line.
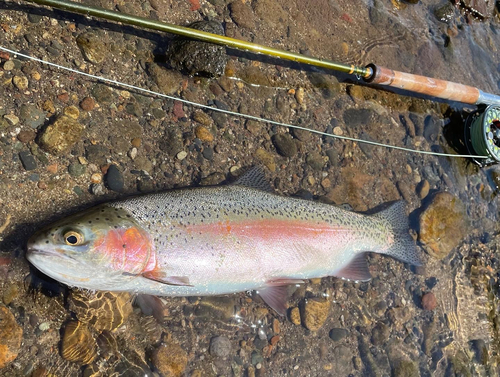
[482, 135]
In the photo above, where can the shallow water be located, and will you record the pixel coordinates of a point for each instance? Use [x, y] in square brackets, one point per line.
[378, 328]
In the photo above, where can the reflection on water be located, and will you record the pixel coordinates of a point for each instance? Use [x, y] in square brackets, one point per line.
[438, 320]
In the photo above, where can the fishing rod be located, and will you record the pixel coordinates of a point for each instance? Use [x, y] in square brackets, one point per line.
[482, 131]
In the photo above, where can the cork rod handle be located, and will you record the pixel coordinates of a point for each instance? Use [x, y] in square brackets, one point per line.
[424, 85]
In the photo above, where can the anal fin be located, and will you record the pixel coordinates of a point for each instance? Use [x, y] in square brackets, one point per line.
[356, 269]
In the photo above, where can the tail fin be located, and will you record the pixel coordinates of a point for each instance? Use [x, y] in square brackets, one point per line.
[404, 247]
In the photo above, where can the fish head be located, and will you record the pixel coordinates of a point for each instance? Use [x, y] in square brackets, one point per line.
[102, 248]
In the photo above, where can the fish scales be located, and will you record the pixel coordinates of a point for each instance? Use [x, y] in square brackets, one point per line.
[217, 240]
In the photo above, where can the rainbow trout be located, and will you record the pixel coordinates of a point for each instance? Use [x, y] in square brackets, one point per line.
[217, 240]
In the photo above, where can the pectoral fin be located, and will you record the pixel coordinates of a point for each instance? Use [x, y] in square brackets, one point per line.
[162, 277]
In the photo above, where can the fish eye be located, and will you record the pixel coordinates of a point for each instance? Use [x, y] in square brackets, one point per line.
[73, 238]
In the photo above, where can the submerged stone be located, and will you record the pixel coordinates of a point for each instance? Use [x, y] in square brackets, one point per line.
[61, 135]
[443, 224]
[77, 344]
[170, 359]
[315, 313]
[199, 58]
[11, 335]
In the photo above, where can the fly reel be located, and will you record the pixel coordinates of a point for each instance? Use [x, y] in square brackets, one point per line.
[482, 135]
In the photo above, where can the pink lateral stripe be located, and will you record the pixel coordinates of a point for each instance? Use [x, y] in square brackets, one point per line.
[266, 228]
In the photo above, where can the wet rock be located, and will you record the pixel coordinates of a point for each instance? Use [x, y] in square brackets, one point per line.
[172, 142]
[242, 14]
[423, 189]
[10, 293]
[480, 351]
[406, 368]
[357, 117]
[27, 160]
[315, 313]
[266, 158]
[380, 334]
[93, 48]
[76, 170]
[114, 179]
[254, 127]
[337, 334]
[203, 134]
[199, 58]
[429, 331]
[143, 163]
[77, 344]
[208, 153]
[87, 104]
[445, 13]
[11, 335]
[285, 145]
[315, 160]
[20, 82]
[327, 84]
[31, 116]
[443, 224]
[71, 111]
[181, 155]
[220, 346]
[102, 94]
[103, 310]
[60, 135]
[302, 135]
[11, 119]
[170, 360]
[26, 136]
[429, 301]
[203, 118]
[168, 80]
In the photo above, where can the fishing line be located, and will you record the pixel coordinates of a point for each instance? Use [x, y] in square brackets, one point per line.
[252, 117]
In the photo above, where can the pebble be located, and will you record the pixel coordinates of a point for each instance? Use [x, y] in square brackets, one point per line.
[10, 294]
[103, 94]
[72, 112]
[204, 134]
[20, 82]
[380, 334]
[44, 326]
[133, 153]
[337, 334]
[87, 104]
[31, 116]
[338, 131]
[443, 224]
[26, 136]
[9, 65]
[114, 179]
[285, 145]
[266, 158]
[11, 119]
[326, 183]
[423, 189]
[202, 118]
[315, 313]
[299, 95]
[170, 359]
[77, 343]
[315, 160]
[429, 301]
[168, 80]
[208, 153]
[61, 135]
[27, 160]
[96, 178]
[136, 142]
[11, 335]
[76, 170]
[327, 84]
[220, 346]
[92, 47]
[97, 189]
[181, 155]
[48, 106]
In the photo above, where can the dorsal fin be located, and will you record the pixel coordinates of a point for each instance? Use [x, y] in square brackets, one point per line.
[255, 178]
